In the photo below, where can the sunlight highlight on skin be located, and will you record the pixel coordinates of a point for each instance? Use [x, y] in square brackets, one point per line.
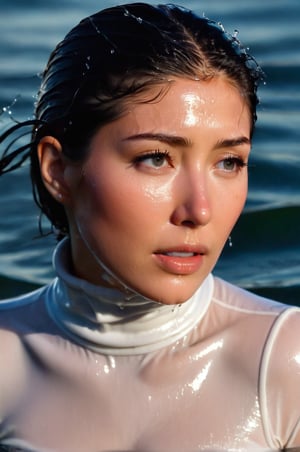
[192, 102]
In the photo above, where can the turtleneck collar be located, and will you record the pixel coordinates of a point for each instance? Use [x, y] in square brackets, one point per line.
[111, 321]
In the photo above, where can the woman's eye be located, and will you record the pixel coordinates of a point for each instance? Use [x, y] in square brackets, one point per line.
[231, 164]
[156, 159]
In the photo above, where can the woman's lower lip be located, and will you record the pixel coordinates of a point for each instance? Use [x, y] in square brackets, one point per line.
[179, 265]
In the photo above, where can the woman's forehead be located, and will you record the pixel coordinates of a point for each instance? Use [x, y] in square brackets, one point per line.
[185, 104]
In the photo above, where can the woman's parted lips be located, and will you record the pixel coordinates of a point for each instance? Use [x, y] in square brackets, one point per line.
[183, 250]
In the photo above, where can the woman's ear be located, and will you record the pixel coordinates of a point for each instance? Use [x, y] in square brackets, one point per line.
[52, 167]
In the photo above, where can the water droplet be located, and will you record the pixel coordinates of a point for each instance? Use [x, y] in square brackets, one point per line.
[87, 63]
[112, 51]
[221, 26]
[112, 362]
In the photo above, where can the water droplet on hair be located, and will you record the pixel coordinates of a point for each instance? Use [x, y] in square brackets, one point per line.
[87, 63]
[235, 33]
[112, 51]
[221, 26]
[140, 20]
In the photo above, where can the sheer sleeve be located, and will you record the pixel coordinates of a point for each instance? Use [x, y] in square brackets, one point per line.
[279, 386]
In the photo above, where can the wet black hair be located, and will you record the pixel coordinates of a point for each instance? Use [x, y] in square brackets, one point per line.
[115, 55]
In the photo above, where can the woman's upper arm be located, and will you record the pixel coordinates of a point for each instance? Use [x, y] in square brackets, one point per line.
[12, 371]
[280, 382]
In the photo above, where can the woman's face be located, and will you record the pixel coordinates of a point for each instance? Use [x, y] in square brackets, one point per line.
[161, 189]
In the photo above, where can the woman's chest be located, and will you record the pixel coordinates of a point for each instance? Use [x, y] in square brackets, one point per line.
[176, 402]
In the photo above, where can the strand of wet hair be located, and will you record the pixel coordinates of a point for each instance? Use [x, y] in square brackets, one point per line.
[22, 152]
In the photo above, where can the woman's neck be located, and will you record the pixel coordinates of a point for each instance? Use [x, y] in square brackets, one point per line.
[118, 321]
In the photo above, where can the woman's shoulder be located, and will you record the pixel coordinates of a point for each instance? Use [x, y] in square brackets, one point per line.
[23, 315]
[267, 340]
[24, 322]
[255, 319]
[237, 299]
[20, 301]
[262, 325]
[17, 307]
[16, 321]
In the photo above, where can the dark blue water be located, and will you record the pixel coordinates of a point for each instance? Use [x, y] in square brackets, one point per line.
[265, 256]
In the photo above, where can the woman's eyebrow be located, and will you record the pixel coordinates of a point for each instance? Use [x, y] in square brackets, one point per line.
[232, 142]
[172, 140]
[175, 140]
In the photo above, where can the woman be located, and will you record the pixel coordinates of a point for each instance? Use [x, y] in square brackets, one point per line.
[139, 158]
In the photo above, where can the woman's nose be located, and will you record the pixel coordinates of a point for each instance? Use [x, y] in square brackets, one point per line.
[192, 201]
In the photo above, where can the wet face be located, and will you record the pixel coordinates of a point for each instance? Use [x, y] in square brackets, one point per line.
[161, 190]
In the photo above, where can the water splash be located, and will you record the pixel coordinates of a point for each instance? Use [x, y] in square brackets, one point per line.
[7, 109]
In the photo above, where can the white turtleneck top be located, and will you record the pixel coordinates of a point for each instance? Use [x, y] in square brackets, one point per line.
[90, 369]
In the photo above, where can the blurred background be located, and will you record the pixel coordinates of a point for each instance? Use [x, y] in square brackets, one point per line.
[265, 256]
